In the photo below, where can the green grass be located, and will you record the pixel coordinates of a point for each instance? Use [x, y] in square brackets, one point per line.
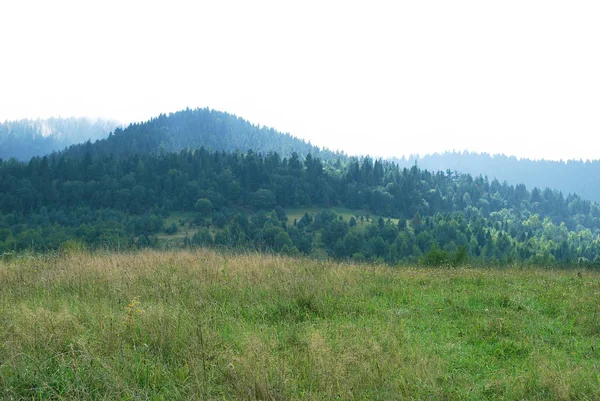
[183, 229]
[204, 325]
[298, 213]
[175, 217]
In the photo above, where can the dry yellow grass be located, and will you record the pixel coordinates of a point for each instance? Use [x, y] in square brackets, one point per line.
[207, 325]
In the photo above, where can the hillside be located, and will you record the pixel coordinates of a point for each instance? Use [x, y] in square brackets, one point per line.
[206, 325]
[24, 139]
[570, 177]
[239, 200]
[193, 129]
[215, 130]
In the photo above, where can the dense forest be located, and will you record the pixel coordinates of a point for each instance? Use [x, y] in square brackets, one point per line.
[106, 198]
[571, 176]
[215, 130]
[24, 139]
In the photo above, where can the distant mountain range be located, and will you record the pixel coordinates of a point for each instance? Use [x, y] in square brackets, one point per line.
[580, 177]
[24, 139]
[220, 131]
[239, 179]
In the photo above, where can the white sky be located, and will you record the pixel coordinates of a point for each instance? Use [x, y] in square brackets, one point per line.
[384, 78]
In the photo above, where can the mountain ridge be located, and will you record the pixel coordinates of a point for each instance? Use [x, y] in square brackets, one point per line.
[26, 138]
[196, 128]
[570, 176]
[117, 192]
[221, 131]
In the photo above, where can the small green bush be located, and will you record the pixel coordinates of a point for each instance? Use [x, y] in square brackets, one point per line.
[437, 257]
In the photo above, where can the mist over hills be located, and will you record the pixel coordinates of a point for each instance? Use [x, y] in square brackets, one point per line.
[570, 177]
[225, 182]
[192, 129]
[24, 139]
[221, 131]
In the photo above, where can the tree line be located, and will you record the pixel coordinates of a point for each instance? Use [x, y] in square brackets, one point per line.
[107, 200]
[571, 176]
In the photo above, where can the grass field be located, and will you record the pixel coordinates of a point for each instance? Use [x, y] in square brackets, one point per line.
[204, 325]
[183, 229]
[340, 211]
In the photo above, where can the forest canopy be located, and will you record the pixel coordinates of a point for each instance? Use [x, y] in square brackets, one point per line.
[117, 199]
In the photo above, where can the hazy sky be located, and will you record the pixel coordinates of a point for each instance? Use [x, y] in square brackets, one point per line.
[384, 78]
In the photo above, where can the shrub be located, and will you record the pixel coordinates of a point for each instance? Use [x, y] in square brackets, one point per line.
[438, 257]
[172, 229]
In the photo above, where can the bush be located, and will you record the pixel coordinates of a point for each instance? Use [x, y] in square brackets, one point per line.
[202, 237]
[262, 199]
[204, 207]
[172, 229]
[71, 247]
[438, 257]
[219, 220]
[460, 256]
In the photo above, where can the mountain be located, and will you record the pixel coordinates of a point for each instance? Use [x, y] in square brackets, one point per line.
[193, 129]
[222, 182]
[220, 131]
[580, 177]
[240, 200]
[24, 139]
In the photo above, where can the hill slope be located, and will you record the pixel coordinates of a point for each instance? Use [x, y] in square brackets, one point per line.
[24, 139]
[219, 131]
[582, 178]
[193, 129]
[117, 191]
[239, 199]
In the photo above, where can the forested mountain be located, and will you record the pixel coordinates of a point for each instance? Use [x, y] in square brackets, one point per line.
[193, 129]
[24, 139]
[580, 177]
[239, 200]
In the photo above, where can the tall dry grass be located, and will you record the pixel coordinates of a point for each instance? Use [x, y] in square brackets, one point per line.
[207, 325]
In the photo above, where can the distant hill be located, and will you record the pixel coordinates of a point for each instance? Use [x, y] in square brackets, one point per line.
[193, 129]
[118, 191]
[582, 178]
[24, 139]
[220, 131]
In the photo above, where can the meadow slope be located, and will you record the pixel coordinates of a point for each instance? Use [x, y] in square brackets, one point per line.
[206, 325]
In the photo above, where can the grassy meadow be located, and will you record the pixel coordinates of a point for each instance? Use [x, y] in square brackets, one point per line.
[206, 325]
[345, 213]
